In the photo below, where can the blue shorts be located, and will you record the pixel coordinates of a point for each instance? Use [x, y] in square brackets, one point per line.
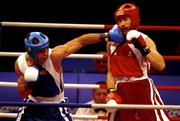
[43, 113]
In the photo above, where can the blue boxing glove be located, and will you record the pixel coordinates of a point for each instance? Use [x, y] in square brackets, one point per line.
[114, 35]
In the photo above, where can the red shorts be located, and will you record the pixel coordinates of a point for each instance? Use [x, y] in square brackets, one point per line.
[139, 92]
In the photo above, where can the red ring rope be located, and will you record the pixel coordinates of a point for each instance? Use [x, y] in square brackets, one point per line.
[172, 58]
[170, 88]
[166, 57]
[172, 118]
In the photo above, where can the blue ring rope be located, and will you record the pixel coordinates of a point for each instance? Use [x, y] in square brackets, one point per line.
[74, 105]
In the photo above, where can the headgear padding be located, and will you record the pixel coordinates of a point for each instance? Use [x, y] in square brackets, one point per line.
[35, 41]
[129, 10]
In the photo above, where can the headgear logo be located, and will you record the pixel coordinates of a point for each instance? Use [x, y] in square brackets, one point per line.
[29, 49]
[118, 13]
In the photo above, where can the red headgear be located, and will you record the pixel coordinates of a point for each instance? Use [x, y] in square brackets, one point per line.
[129, 10]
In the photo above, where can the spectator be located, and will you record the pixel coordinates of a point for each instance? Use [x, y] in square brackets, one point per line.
[100, 64]
[98, 96]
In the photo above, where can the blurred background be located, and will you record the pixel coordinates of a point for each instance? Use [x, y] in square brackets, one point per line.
[83, 71]
[152, 12]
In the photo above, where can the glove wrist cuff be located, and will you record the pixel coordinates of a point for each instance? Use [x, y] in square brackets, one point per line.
[111, 90]
[104, 36]
[145, 51]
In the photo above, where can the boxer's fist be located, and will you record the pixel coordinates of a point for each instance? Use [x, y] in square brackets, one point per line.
[113, 99]
[31, 74]
[138, 41]
[132, 34]
[114, 96]
[111, 102]
[114, 35]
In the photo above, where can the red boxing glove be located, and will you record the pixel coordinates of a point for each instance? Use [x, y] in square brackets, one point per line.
[113, 99]
[114, 96]
[135, 37]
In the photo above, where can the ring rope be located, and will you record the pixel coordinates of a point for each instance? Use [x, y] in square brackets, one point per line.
[82, 56]
[176, 58]
[54, 25]
[89, 86]
[8, 115]
[80, 86]
[14, 115]
[170, 88]
[77, 105]
[82, 26]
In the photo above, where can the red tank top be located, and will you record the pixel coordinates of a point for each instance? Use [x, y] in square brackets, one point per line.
[124, 62]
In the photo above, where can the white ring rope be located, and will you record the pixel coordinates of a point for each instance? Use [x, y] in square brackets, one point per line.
[10, 54]
[8, 115]
[134, 106]
[105, 117]
[82, 56]
[53, 25]
[14, 115]
[85, 116]
[80, 86]
[82, 105]
[8, 84]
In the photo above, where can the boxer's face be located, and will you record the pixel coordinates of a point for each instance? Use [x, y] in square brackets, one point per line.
[42, 55]
[124, 23]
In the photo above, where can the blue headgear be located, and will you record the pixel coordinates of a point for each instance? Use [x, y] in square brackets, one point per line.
[35, 41]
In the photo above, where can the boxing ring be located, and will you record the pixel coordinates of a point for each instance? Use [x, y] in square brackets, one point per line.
[86, 86]
[82, 26]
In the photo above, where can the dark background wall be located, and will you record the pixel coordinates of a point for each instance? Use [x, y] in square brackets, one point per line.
[153, 12]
